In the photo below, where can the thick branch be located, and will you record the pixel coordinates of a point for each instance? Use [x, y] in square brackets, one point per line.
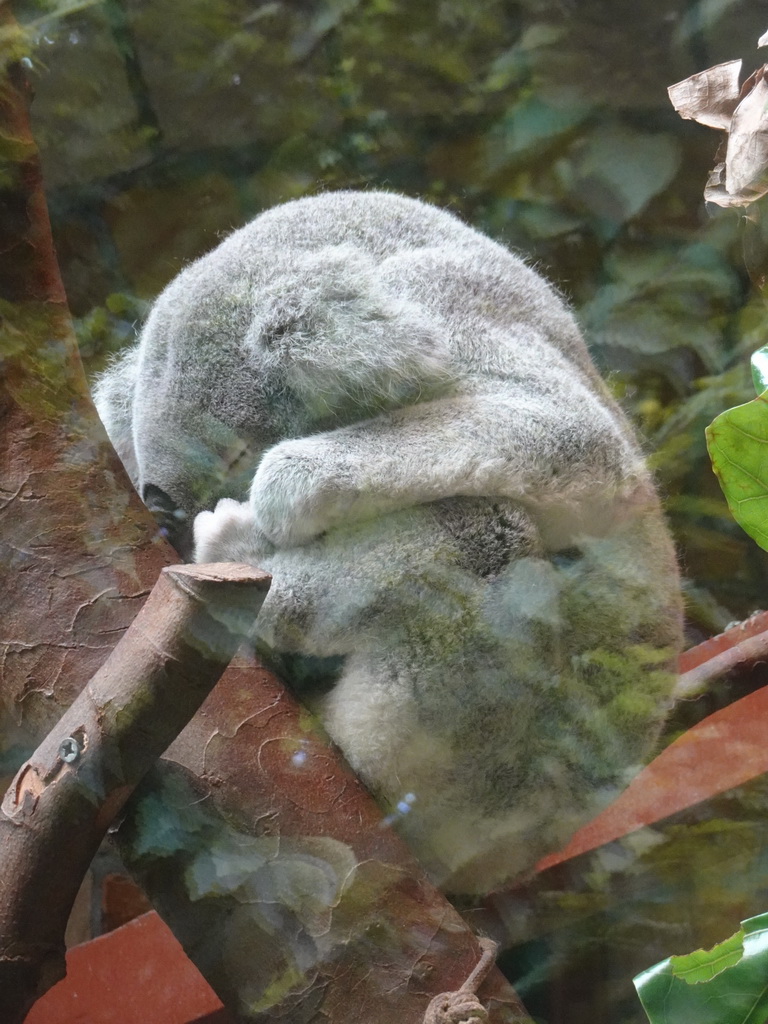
[69, 792]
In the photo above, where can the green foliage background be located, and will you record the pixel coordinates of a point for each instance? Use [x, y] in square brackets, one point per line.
[164, 124]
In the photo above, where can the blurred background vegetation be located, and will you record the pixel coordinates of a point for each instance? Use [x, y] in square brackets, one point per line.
[164, 124]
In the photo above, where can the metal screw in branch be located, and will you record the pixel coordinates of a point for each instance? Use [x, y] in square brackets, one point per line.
[69, 750]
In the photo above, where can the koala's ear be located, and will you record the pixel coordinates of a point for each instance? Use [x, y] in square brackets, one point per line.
[173, 520]
[345, 342]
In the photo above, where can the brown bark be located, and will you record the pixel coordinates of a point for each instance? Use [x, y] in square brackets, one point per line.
[333, 916]
[78, 553]
[69, 792]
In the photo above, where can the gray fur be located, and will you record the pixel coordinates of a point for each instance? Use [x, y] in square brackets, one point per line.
[407, 431]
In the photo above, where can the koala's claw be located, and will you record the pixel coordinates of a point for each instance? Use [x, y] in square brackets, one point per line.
[229, 534]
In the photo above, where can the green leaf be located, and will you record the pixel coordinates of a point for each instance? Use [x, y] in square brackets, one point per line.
[738, 447]
[706, 964]
[760, 369]
[725, 985]
[618, 170]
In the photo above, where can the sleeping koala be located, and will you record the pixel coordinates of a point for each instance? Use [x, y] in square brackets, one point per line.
[473, 587]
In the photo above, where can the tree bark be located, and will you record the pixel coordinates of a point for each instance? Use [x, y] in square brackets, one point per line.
[78, 552]
[77, 781]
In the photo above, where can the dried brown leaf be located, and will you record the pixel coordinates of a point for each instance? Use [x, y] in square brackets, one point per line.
[714, 191]
[746, 162]
[709, 97]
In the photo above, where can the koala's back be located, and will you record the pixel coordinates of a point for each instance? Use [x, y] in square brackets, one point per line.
[418, 251]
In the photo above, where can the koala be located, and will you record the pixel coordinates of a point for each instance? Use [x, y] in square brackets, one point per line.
[473, 585]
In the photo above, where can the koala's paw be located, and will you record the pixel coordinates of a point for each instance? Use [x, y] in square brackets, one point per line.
[229, 534]
[299, 492]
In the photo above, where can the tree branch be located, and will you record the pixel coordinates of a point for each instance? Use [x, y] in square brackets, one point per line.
[69, 792]
[738, 649]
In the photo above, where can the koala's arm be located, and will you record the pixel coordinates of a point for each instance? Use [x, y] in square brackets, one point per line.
[572, 458]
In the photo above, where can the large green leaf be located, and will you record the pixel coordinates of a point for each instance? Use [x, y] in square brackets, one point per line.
[724, 985]
[738, 447]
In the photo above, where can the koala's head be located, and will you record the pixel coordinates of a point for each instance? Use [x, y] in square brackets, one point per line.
[243, 350]
[187, 468]
[264, 339]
